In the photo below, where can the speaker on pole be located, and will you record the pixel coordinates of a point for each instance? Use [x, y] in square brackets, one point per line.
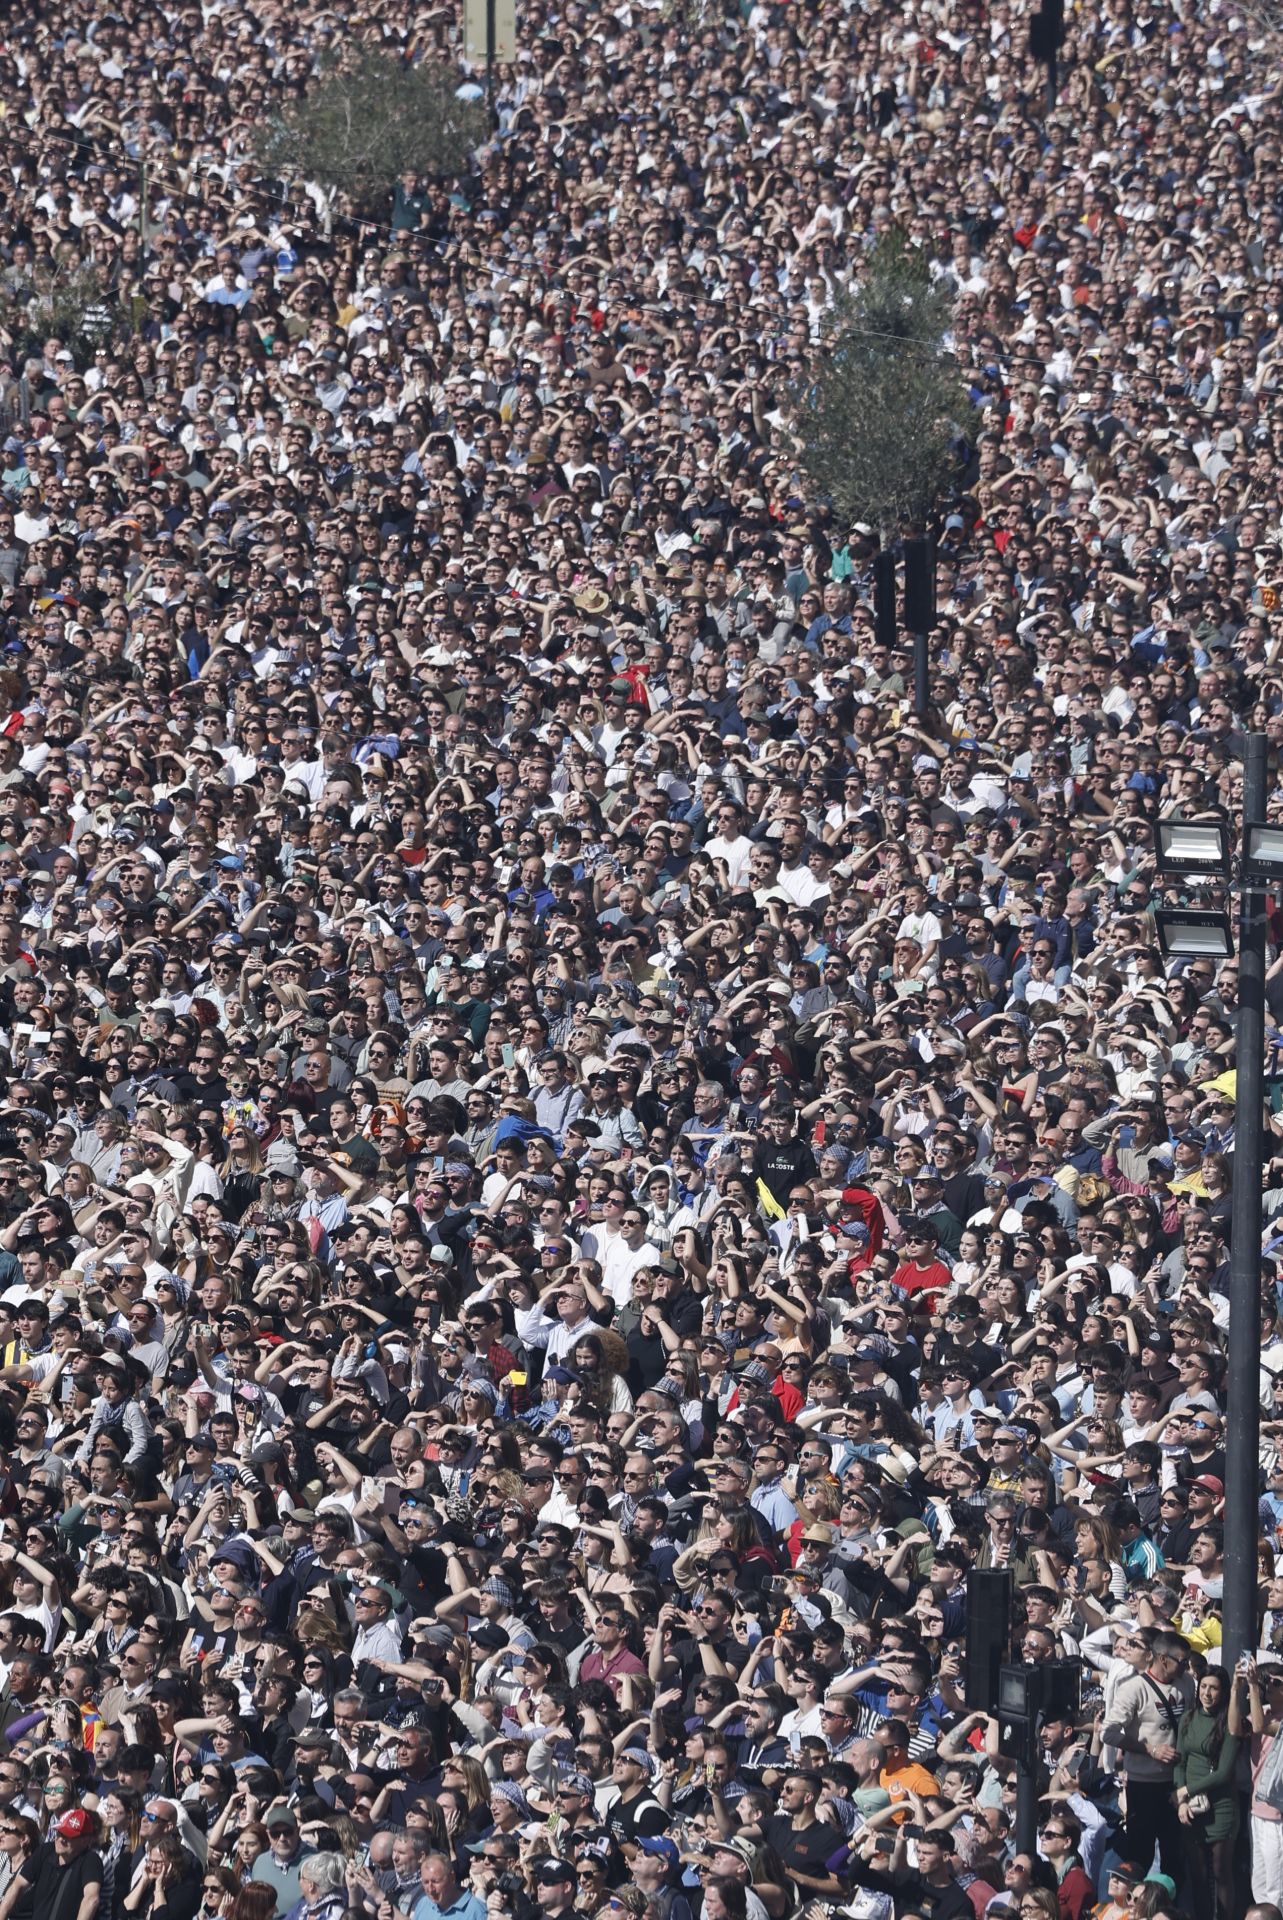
[988, 1628]
[884, 628]
[919, 585]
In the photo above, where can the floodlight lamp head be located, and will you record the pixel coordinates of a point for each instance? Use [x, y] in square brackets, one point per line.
[1263, 850]
[1190, 933]
[1192, 846]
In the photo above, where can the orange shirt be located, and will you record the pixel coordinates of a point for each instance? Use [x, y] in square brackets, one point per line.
[912, 1776]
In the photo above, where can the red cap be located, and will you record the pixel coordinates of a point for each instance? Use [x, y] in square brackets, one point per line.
[1212, 1484]
[73, 1825]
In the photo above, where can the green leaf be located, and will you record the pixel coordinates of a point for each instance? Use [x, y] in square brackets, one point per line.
[884, 403]
[368, 119]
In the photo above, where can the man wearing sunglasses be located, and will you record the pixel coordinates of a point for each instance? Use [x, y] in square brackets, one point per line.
[611, 1656]
[61, 1881]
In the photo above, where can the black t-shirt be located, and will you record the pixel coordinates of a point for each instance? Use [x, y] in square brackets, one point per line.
[686, 1652]
[56, 1891]
[647, 1354]
[781, 1164]
[806, 1851]
[684, 1311]
[912, 1894]
[374, 1457]
[207, 1639]
[984, 1358]
[647, 1359]
[569, 1637]
[636, 1819]
[1213, 1463]
[430, 1564]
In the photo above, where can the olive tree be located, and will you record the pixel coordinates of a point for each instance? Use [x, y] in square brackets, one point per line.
[883, 407]
[368, 119]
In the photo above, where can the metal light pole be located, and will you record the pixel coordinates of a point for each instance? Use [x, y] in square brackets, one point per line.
[1199, 848]
[1243, 1381]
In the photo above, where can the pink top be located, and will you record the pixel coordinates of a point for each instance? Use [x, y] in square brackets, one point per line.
[1261, 1809]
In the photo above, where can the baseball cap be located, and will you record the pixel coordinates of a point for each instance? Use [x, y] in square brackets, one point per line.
[662, 1849]
[73, 1825]
[437, 1634]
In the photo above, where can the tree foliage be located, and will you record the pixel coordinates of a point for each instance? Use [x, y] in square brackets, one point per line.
[71, 302]
[884, 404]
[369, 119]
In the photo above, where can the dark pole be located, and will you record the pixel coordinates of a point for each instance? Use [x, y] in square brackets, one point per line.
[1243, 1385]
[921, 683]
[1026, 1806]
[920, 613]
[490, 39]
[1046, 33]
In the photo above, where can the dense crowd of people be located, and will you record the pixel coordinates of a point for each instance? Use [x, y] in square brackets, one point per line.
[570, 1168]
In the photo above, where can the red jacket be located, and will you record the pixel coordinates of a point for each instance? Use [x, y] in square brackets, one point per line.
[1076, 1895]
[790, 1398]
